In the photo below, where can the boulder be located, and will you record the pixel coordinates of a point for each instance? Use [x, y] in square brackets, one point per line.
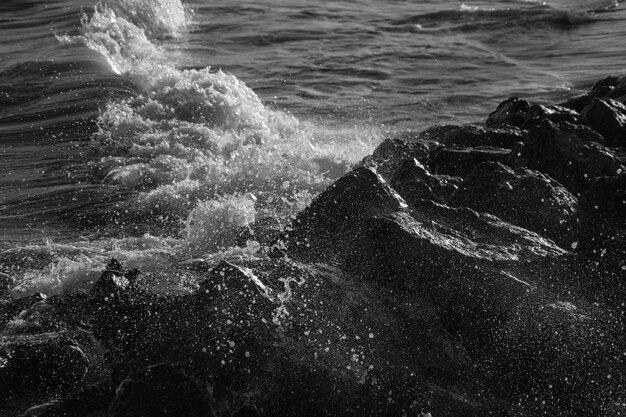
[389, 155]
[619, 92]
[329, 221]
[458, 162]
[159, 391]
[556, 114]
[413, 182]
[608, 118]
[570, 154]
[6, 283]
[511, 111]
[46, 362]
[114, 280]
[601, 89]
[607, 195]
[474, 136]
[524, 197]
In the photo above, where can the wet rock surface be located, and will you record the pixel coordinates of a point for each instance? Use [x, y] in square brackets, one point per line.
[462, 271]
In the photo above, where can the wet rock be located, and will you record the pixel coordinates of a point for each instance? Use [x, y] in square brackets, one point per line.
[607, 117]
[556, 114]
[606, 194]
[601, 89]
[227, 277]
[460, 161]
[6, 283]
[474, 136]
[389, 155]
[619, 92]
[329, 221]
[114, 280]
[526, 198]
[413, 182]
[47, 362]
[567, 153]
[264, 231]
[159, 391]
[512, 112]
[9, 309]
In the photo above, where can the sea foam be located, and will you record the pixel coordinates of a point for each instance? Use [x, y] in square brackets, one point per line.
[196, 150]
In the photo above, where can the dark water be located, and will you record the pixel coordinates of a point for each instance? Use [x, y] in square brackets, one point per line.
[152, 130]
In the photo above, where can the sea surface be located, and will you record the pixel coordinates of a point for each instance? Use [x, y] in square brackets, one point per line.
[154, 130]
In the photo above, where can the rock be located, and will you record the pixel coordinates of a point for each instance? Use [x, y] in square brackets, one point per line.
[459, 162]
[159, 391]
[6, 283]
[474, 136]
[412, 181]
[567, 153]
[389, 155]
[114, 280]
[526, 198]
[47, 362]
[227, 277]
[601, 89]
[607, 117]
[512, 112]
[607, 194]
[9, 309]
[619, 92]
[328, 222]
[264, 231]
[556, 114]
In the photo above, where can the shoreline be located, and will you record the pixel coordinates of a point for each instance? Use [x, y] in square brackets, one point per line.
[463, 271]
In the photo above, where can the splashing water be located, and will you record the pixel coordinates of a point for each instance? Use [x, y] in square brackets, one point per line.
[197, 153]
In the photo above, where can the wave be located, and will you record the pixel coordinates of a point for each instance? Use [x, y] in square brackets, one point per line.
[192, 154]
[475, 18]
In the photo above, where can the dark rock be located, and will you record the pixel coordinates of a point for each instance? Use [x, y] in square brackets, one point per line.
[607, 117]
[6, 283]
[568, 153]
[474, 136]
[329, 221]
[607, 194]
[619, 92]
[512, 112]
[601, 89]
[227, 277]
[159, 391]
[48, 362]
[523, 197]
[556, 114]
[9, 309]
[459, 162]
[389, 155]
[413, 182]
[577, 103]
[114, 280]
[264, 231]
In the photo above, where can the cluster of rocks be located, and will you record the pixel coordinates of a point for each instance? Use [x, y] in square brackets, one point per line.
[471, 270]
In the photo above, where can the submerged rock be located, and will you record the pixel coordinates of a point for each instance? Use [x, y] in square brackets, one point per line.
[523, 197]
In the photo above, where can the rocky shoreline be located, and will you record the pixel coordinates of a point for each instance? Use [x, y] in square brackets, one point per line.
[474, 270]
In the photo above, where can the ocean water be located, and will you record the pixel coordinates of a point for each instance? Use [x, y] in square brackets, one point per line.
[154, 130]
